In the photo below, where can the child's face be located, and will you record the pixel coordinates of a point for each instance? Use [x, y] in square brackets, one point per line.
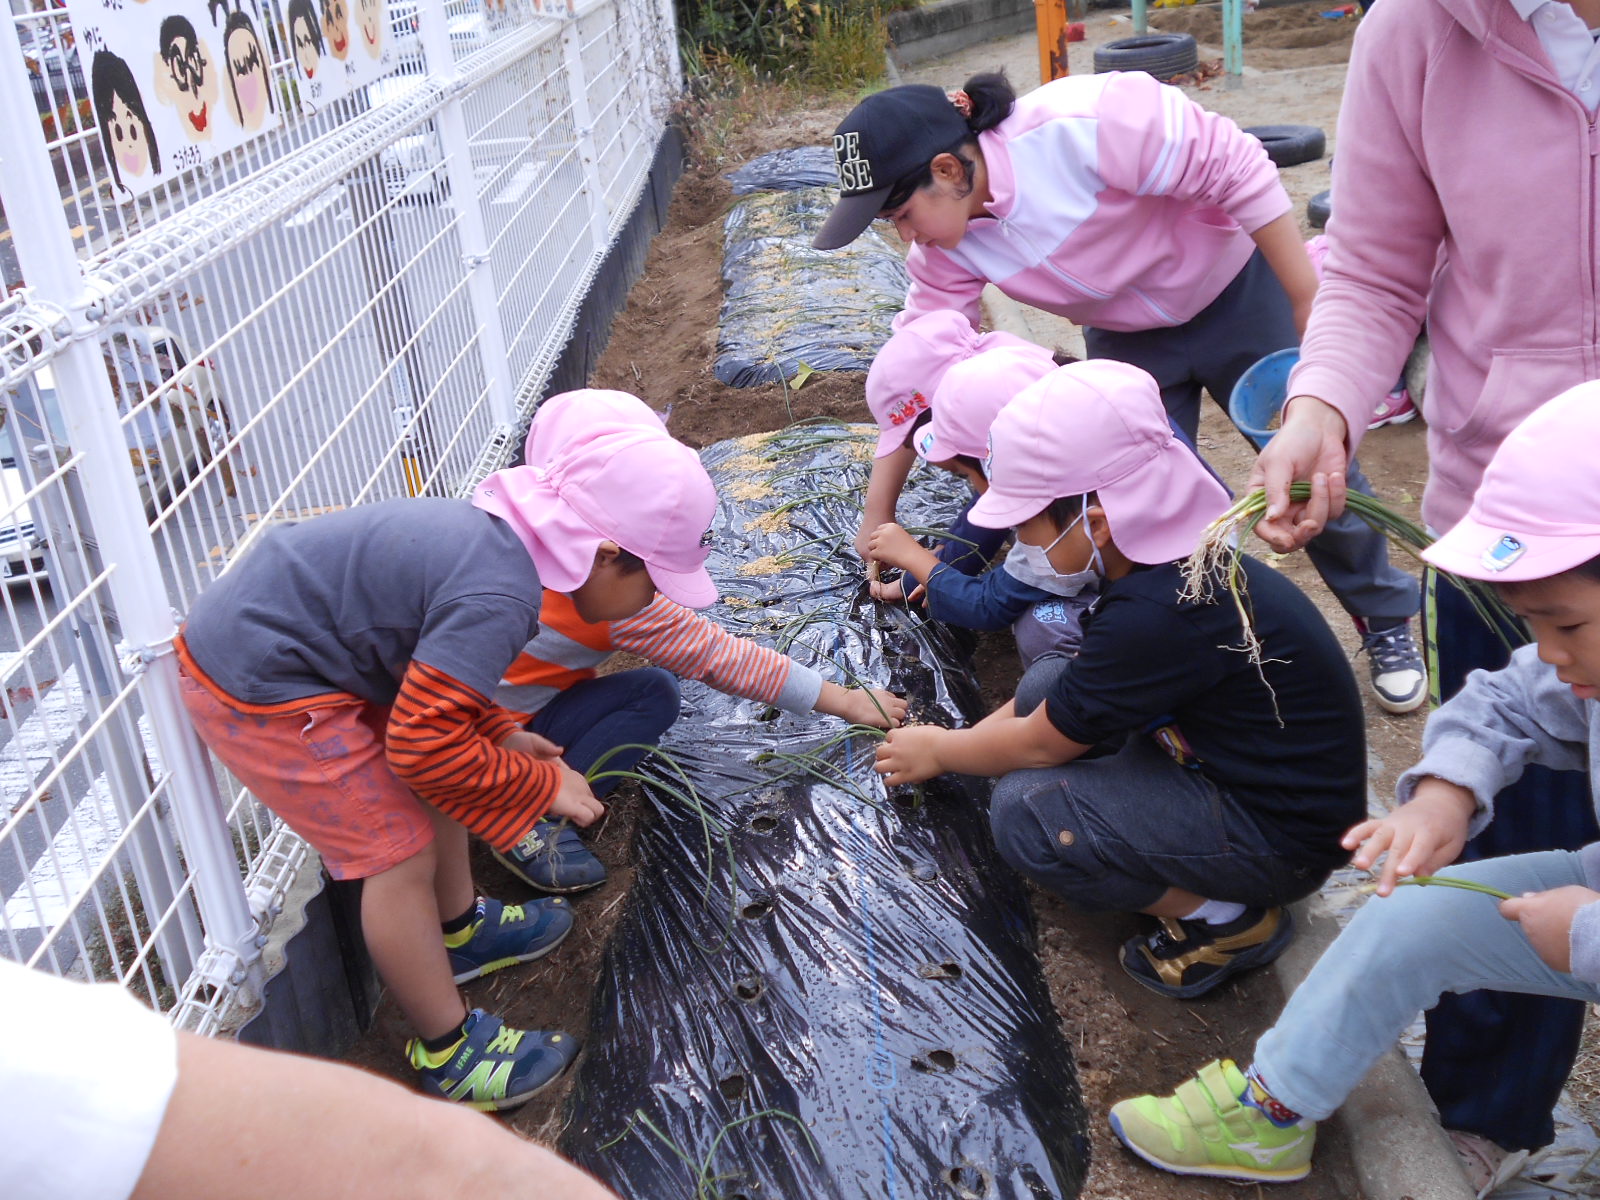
[611, 593]
[128, 141]
[1070, 554]
[1564, 615]
[937, 214]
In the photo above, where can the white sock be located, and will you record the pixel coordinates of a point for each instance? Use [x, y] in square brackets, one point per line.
[1216, 912]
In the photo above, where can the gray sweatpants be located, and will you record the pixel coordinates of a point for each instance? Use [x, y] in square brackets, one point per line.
[1250, 320]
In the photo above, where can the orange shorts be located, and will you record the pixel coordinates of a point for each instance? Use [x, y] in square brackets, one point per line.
[325, 773]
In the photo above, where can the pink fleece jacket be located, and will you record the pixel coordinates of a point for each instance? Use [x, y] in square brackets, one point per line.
[1466, 182]
[1118, 202]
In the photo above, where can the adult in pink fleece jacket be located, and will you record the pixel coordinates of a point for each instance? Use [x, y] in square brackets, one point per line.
[1115, 201]
[1467, 178]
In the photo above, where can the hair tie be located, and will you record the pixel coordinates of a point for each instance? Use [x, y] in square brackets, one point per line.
[962, 101]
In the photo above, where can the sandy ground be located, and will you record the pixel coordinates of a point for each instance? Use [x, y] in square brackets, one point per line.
[662, 347]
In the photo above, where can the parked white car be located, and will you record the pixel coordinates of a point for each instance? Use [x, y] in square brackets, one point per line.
[167, 444]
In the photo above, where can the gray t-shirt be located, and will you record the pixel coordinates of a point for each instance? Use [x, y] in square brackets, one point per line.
[344, 601]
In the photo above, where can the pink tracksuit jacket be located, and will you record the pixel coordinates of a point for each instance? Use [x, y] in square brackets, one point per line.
[1465, 182]
[1118, 202]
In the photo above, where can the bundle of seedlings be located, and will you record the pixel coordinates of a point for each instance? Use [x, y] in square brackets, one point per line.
[1215, 562]
[821, 988]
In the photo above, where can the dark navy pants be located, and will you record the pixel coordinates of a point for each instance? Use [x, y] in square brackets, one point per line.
[1251, 319]
[1495, 1062]
[600, 714]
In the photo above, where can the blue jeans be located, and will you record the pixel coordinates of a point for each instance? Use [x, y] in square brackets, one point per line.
[597, 715]
[1396, 958]
[1495, 1063]
[1112, 833]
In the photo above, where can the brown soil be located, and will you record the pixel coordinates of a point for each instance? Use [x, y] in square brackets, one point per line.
[1127, 1041]
[1275, 39]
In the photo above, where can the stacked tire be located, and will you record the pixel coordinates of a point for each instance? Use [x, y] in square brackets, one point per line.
[1160, 54]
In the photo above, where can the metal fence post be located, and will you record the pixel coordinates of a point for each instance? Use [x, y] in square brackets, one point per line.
[111, 498]
[456, 143]
[583, 122]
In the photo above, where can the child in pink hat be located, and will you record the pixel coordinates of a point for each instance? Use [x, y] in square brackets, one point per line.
[1043, 608]
[1220, 787]
[343, 669]
[585, 718]
[903, 379]
[1533, 531]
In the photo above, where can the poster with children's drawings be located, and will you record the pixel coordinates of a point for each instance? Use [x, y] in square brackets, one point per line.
[338, 46]
[174, 83]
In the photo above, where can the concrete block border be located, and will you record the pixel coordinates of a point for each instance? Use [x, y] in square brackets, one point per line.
[944, 26]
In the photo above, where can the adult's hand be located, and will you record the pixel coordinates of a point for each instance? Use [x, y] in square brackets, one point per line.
[1309, 447]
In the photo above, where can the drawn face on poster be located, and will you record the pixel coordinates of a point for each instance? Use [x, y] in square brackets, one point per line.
[369, 17]
[185, 75]
[244, 65]
[126, 135]
[305, 37]
[336, 27]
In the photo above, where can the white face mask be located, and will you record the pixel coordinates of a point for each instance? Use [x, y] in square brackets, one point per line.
[1031, 565]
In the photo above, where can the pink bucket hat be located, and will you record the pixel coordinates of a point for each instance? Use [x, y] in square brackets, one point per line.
[1099, 426]
[971, 395]
[634, 486]
[1537, 511]
[594, 410]
[907, 371]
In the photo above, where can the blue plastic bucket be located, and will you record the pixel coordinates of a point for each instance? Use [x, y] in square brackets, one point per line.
[1259, 395]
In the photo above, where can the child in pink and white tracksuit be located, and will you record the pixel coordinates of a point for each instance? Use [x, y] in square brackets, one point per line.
[1115, 201]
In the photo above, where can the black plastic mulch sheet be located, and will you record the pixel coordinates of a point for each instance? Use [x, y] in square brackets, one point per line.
[786, 170]
[820, 989]
[786, 305]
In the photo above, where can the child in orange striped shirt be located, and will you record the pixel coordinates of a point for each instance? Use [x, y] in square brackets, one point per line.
[343, 668]
[585, 717]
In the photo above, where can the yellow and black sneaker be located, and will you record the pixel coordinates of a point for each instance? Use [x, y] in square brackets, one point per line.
[1185, 959]
[493, 1067]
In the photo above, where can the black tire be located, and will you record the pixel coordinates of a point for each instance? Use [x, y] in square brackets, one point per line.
[1160, 54]
[1290, 145]
[1318, 209]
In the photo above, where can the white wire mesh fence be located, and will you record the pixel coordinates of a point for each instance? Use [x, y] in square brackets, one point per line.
[361, 304]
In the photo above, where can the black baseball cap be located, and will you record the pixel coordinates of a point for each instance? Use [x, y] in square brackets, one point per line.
[889, 136]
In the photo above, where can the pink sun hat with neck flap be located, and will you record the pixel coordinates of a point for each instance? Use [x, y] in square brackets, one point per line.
[971, 395]
[907, 371]
[635, 486]
[1099, 426]
[1537, 511]
[594, 410]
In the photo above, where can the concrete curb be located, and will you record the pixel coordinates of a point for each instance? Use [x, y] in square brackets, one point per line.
[1397, 1148]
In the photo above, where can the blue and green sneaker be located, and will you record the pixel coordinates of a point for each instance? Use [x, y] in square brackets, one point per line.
[493, 1066]
[1208, 1128]
[504, 934]
[553, 858]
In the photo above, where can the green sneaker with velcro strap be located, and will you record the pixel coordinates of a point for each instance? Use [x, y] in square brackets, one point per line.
[1208, 1128]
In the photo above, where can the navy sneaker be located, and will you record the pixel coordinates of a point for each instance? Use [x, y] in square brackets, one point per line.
[493, 1067]
[1184, 959]
[504, 934]
[1399, 676]
[553, 858]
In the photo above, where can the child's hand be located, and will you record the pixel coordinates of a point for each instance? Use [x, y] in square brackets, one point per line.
[528, 742]
[1422, 835]
[575, 800]
[875, 707]
[910, 755]
[1546, 919]
[861, 706]
[889, 543]
[894, 591]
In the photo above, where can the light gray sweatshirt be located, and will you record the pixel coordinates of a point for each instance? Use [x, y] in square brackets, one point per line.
[1501, 722]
